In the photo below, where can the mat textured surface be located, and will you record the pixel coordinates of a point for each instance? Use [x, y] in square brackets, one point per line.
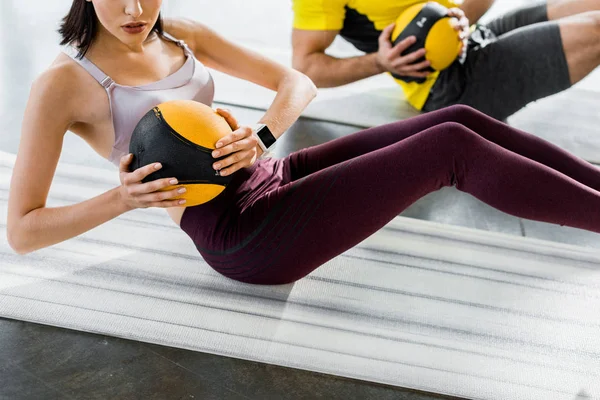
[420, 305]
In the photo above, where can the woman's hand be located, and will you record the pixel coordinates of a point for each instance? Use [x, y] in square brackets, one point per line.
[136, 194]
[240, 145]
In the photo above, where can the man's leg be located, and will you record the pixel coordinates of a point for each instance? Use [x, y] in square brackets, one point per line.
[519, 17]
[540, 11]
[530, 63]
[558, 9]
[579, 33]
[451, 82]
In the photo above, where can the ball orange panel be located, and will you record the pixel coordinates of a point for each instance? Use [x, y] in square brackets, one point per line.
[195, 121]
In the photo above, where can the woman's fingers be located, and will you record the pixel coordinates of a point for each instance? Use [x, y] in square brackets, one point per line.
[236, 161]
[236, 135]
[246, 143]
[124, 162]
[231, 120]
[150, 187]
[160, 196]
[140, 173]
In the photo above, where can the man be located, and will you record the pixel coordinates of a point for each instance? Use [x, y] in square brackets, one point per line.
[525, 55]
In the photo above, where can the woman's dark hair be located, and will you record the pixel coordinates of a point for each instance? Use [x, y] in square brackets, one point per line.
[80, 26]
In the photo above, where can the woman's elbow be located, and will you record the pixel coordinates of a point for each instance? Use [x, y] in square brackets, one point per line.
[313, 87]
[16, 242]
[309, 86]
[298, 84]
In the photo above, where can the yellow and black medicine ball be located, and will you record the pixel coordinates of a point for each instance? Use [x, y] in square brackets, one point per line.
[432, 27]
[181, 135]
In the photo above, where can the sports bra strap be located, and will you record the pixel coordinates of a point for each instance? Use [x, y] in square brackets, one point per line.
[172, 39]
[105, 80]
[179, 42]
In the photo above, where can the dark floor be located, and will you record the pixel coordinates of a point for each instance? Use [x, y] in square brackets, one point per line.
[42, 362]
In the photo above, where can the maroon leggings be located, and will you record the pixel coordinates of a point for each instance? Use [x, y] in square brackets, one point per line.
[339, 193]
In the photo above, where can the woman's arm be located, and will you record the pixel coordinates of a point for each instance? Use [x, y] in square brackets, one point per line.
[294, 89]
[30, 224]
[52, 108]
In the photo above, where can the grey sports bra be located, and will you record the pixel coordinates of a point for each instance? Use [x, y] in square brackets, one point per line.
[128, 104]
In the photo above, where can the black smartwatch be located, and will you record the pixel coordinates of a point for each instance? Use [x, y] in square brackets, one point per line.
[264, 136]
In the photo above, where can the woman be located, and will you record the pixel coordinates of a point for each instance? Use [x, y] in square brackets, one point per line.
[277, 220]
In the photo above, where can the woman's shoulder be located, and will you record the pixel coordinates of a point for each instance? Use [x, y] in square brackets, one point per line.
[64, 84]
[64, 76]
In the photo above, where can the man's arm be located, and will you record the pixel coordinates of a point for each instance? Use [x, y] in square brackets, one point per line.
[326, 71]
[475, 9]
[309, 57]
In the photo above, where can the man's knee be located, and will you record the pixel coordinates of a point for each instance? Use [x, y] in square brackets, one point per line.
[595, 15]
[593, 20]
[590, 18]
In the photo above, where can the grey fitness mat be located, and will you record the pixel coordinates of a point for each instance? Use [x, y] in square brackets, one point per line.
[420, 305]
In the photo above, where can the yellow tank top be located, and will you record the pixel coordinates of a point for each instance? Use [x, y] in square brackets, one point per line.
[360, 22]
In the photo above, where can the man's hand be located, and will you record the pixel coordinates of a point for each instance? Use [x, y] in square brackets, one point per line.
[389, 57]
[461, 25]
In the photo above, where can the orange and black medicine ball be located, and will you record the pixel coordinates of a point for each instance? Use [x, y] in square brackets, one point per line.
[181, 135]
[430, 24]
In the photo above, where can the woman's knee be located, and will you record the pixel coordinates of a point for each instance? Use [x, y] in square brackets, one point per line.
[457, 135]
[461, 112]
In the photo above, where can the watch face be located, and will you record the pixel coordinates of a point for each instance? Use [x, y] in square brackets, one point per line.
[265, 135]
